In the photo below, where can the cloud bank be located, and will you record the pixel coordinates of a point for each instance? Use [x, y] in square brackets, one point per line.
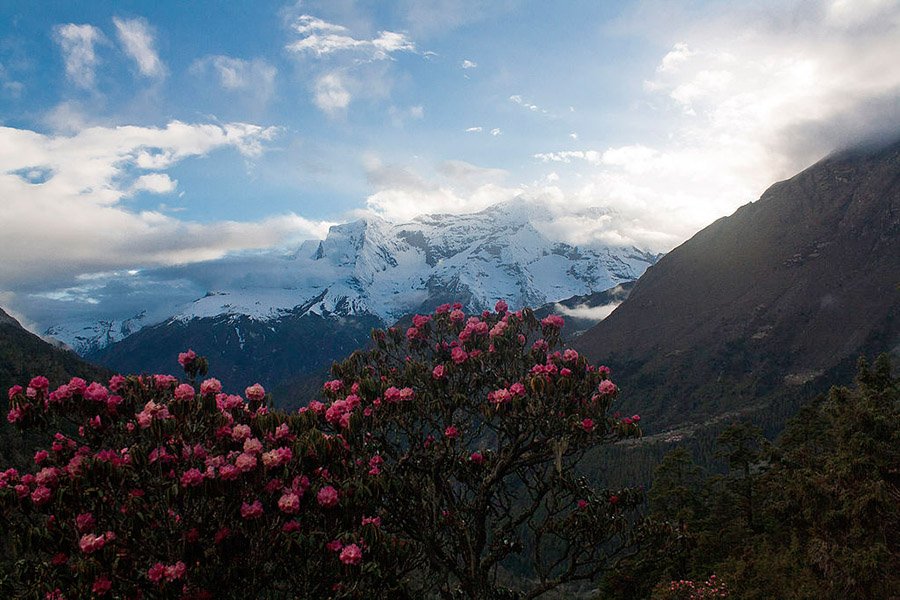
[67, 211]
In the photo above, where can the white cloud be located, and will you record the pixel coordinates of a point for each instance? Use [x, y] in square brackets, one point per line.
[321, 38]
[457, 187]
[330, 94]
[256, 77]
[474, 130]
[746, 96]
[468, 64]
[584, 311]
[77, 44]
[74, 218]
[496, 131]
[155, 183]
[136, 37]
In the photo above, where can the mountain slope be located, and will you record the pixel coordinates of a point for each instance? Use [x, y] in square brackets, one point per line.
[22, 356]
[784, 293]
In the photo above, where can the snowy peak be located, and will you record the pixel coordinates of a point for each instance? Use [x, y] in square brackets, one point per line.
[386, 270]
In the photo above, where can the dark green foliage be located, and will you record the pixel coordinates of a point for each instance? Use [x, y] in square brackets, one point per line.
[815, 515]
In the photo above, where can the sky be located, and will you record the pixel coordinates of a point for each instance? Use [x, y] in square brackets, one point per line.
[146, 137]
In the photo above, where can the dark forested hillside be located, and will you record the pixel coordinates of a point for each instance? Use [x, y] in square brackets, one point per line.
[768, 306]
[24, 355]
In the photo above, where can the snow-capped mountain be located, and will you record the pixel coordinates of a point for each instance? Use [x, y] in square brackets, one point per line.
[324, 297]
[387, 270]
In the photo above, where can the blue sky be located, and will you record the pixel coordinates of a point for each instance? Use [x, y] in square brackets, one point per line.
[138, 135]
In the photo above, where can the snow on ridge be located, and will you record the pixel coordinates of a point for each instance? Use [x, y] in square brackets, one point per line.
[387, 270]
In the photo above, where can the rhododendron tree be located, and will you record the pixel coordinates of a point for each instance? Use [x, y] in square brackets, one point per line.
[152, 488]
[446, 460]
[476, 426]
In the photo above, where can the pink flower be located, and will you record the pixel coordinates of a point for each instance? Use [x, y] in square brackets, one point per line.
[582, 504]
[40, 456]
[328, 497]
[90, 543]
[39, 383]
[517, 389]
[498, 397]
[553, 321]
[210, 386]
[458, 355]
[15, 391]
[186, 358]
[375, 521]
[457, 316]
[420, 320]
[255, 392]
[570, 355]
[351, 555]
[175, 571]
[156, 572]
[252, 446]
[251, 511]
[245, 462]
[48, 476]
[184, 392]
[406, 394]
[116, 383]
[290, 527]
[587, 425]
[289, 503]
[476, 458]
[501, 307]
[451, 432]
[240, 432]
[392, 394]
[412, 333]
[334, 546]
[101, 585]
[96, 393]
[438, 372]
[607, 387]
[84, 522]
[192, 478]
[333, 386]
[41, 495]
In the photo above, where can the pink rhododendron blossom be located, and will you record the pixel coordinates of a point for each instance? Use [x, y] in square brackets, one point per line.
[184, 392]
[96, 393]
[458, 355]
[351, 554]
[192, 478]
[210, 386]
[14, 391]
[289, 503]
[240, 432]
[587, 425]
[252, 445]
[255, 392]
[101, 585]
[554, 321]
[476, 458]
[251, 511]
[85, 522]
[186, 358]
[451, 432]
[39, 383]
[501, 307]
[607, 387]
[328, 497]
[334, 546]
[41, 495]
[245, 462]
[438, 372]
